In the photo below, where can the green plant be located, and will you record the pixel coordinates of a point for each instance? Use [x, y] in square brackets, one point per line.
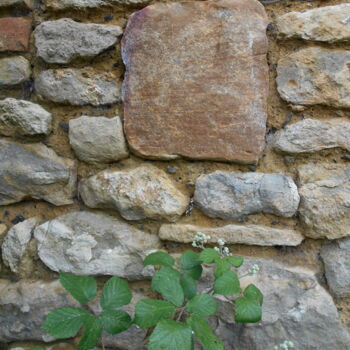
[179, 317]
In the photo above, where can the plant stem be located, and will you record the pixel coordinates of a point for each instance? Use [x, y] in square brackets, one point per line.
[180, 314]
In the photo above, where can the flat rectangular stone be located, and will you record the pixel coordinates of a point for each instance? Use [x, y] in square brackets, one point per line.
[196, 80]
[14, 34]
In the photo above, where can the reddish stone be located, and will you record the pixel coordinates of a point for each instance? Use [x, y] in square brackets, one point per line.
[196, 80]
[14, 34]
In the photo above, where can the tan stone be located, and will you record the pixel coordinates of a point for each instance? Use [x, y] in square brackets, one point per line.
[196, 80]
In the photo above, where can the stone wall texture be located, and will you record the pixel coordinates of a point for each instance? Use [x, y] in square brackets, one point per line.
[129, 125]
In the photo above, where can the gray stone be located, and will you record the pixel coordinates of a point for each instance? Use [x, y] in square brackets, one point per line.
[17, 3]
[82, 4]
[77, 87]
[296, 307]
[35, 171]
[23, 118]
[324, 205]
[143, 192]
[24, 306]
[98, 139]
[64, 40]
[231, 195]
[336, 258]
[315, 76]
[324, 24]
[85, 243]
[233, 234]
[310, 135]
[16, 243]
[14, 71]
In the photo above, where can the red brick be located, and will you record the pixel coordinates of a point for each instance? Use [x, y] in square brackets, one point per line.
[14, 34]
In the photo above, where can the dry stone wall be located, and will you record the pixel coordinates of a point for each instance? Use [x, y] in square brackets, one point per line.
[128, 126]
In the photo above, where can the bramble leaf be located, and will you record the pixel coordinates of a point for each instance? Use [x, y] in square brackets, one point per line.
[235, 261]
[115, 293]
[82, 288]
[64, 322]
[227, 284]
[195, 272]
[172, 335]
[149, 312]
[115, 321]
[221, 267]
[167, 282]
[203, 305]
[254, 293]
[159, 259]
[189, 259]
[247, 310]
[188, 285]
[91, 334]
[209, 255]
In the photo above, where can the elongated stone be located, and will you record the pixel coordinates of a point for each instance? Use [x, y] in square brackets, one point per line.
[83, 4]
[233, 234]
[64, 40]
[197, 90]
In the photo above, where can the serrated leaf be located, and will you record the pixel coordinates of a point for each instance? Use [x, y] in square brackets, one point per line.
[91, 334]
[115, 321]
[159, 259]
[195, 272]
[228, 284]
[221, 267]
[115, 293]
[149, 312]
[203, 305]
[247, 310]
[189, 286]
[167, 282]
[235, 261]
[189, 259]
[172, 335]
[82, 288]
[209, 255]
[204, 334]
[254, 293]
[64, 322]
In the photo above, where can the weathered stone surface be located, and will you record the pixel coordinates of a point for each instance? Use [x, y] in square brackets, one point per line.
[14, 34]
[23, 118]
[336, 258]
[77, 87]
[14, 71]
[315, 76]
[64, 40]
[85, 243]
[98, 139]
[16, 242]
[233, 234]
[143, 192]
[16, 3]
[231, 195]
[324, 205]
[35, 171]
[3, 229]
[295, 307]
[24, 306]
[328, 24]
[81, 4]
[198, 90]
[310, 135]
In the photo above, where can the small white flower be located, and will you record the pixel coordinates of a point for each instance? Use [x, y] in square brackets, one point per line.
[221, 242]
[217, 249]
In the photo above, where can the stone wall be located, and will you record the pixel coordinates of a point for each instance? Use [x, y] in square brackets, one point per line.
[128, 126]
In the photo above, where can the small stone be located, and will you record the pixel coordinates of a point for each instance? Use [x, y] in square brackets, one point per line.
[77, 87]
[16, 243]
[83, 4]
[14, 71]
[3, 230]
[325, 197]
[171, 170]
[143, 192]
[315, 76]
[84, 243]
[336, 258]
[17, 219]
[35, 171]
[64, 40]
[183, 95]
[326, 24]
[14, 34]
[17, 3]
[98, 139]
[23, 118]
[230, 195]
[233, 234]
[310, 135]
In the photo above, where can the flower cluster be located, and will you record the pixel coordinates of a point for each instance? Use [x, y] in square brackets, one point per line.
[253, 271]
[286, 345]
[200, 239]
[221, 249]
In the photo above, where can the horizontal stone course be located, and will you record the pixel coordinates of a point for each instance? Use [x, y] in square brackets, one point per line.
[83, 4]
[15, 34]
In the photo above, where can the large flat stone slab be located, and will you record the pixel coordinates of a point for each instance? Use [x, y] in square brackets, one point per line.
[196, 80]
